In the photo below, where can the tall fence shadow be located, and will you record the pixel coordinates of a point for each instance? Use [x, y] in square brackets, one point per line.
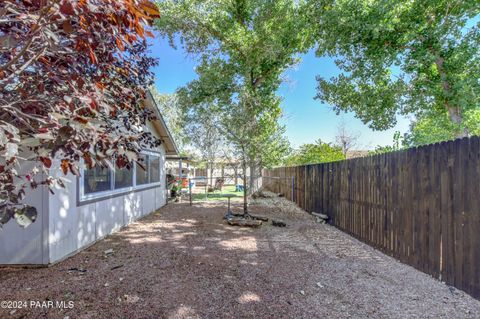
[420, 205]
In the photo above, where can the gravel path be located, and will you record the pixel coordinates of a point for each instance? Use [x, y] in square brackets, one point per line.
[185, 262]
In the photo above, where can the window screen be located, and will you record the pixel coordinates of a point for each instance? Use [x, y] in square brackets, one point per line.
[154, 169]
[142, 173]
[123, 178]
[97, 180]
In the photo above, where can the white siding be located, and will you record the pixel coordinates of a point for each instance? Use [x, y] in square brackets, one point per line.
[63, 227]
[74, 227]
[27, 245]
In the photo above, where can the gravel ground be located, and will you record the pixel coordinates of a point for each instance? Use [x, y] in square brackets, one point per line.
[185, 262]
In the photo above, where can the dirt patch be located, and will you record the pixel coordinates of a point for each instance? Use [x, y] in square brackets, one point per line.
[186, 262]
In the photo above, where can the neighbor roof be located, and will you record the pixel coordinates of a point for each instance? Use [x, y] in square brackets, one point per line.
[161, 126]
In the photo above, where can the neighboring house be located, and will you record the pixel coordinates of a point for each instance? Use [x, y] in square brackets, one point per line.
[357, 153]
[92, 206]
[230, 171]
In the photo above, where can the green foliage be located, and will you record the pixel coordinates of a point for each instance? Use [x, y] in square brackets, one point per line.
[433, 129]
[408, 57]
[173, 115]
[318, 152]
[399, 143]
[243, 47]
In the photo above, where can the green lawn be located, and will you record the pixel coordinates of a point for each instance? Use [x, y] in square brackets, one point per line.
[199, 194]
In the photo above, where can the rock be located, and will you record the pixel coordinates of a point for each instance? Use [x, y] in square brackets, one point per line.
[322, 216]
[302, 292]
[106, 284]
[278, 223]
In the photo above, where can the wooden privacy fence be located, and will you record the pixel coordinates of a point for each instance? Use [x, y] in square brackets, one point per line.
[421, 205]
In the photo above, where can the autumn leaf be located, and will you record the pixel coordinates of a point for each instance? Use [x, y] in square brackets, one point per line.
[150, 8]
[93, 58]
[67, 8]
[88, 160]
[47, 162]
[64, 166]
[67, 27]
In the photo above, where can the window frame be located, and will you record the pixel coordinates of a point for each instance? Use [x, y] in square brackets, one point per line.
[82, 197]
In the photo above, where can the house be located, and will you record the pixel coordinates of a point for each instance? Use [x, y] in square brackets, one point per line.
[357, 153]
[92, 206]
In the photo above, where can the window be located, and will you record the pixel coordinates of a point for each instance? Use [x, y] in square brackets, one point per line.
[97, 179]
[154, 169]
[123, 178]
[142, 172]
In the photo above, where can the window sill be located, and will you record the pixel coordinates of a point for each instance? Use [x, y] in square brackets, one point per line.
[100, 196]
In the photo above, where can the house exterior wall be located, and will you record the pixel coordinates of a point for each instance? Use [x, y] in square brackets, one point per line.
[75, 225]
[27, 245]
[64, 225]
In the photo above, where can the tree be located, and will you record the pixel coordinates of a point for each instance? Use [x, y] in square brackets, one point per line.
[346, 139]
[438, 128]
[243, 46]
[174, 116]
[314, 153]
[410, 57]
[72, 76]
[206, 137]
[398, 144]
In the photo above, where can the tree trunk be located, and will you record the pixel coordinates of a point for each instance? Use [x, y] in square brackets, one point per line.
[211, 174]
[245, 206]
[456, 118]
[235, 170]
[455, 113]
[254, 175]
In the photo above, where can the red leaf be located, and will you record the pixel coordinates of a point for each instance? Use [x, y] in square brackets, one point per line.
[93, 58]
[120, 44]
[67, 27]
[88, 160]
[65, 166]
[46, 162]
[67, 8]
[150, 9]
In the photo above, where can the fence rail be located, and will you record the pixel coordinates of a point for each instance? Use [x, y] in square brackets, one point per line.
[421, 205]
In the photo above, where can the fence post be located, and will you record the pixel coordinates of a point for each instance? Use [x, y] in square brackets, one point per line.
[305, 188]
[293, 189]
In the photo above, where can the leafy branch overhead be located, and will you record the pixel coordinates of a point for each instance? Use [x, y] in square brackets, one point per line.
[72, 78]
[243, 48]
[410, 57]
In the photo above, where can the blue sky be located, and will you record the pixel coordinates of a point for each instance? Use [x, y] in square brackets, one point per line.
[306, 119]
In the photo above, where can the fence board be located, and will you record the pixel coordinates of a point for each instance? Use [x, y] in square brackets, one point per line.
[419, 205]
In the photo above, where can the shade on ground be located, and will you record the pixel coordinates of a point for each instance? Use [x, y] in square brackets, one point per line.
[185, 262]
